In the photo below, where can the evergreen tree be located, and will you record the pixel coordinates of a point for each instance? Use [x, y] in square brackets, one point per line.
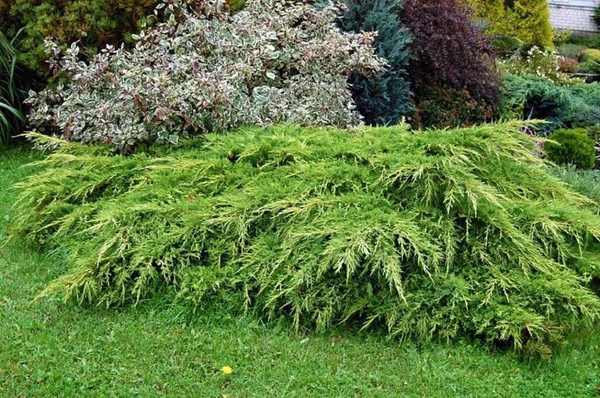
[527, 20]
[385, 99]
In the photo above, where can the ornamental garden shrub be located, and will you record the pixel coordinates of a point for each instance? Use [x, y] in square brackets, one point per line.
[590, 54]
[590, 61]
[527, 20]
[385, 99]
[537, 62]
[567, 65]
[452, 64]
[586, 41]
[561, 36]
[206, 70]
[441, 106]
[436, 234]
[571, 50]
[588, 67]
[94, 23]
[536, 97]
[571, 147]
[506, 46]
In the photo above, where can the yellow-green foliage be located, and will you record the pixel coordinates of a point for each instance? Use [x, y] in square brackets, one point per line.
[94, 23]
[571, 147]
[527, 20]
[590, 54]
[235, 5]
[431, 234]
[488, 10]
[561, 36]
[590, 61]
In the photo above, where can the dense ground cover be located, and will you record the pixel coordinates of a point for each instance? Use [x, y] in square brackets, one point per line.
[436, 234]
[48, 348]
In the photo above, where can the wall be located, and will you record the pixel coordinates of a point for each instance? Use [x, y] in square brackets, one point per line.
[575, 15]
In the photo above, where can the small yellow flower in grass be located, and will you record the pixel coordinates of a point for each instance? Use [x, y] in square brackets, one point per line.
[227, 370]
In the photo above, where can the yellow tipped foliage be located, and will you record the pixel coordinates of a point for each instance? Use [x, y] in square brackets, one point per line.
[431, 234]
[527, 20]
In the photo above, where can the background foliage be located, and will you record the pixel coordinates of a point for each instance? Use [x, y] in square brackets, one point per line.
[527, 20]
[534, 61]
[386, 99]
[452, 70]
[94, 23]
[535, 97]
[571, 147]
[13, 85]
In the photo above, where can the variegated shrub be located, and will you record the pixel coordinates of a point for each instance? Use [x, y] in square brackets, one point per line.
[207, 70]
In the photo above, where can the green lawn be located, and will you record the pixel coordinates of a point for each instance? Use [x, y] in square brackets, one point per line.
[50, 349]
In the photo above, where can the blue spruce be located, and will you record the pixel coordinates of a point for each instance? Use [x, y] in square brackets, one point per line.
[386, 98]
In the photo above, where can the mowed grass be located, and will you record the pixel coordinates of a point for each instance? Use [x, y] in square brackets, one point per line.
[52, 349]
